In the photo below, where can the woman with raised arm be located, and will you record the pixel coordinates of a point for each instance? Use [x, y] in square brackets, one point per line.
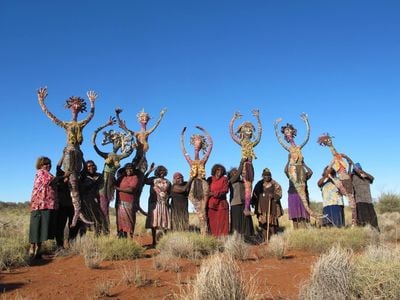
[111, 164]
[198, 193]
[342, 168]
[296, 170]
[244, 136]
[73, 158]
[141, 136]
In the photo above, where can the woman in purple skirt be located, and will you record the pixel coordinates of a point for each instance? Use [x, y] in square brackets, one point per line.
[296, 210]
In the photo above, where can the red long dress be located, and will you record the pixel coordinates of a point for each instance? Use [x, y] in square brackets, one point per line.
[218, 207]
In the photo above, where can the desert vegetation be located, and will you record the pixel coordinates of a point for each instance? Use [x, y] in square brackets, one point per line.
[353, 263]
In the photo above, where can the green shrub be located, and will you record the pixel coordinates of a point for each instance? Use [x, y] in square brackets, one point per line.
[112, 248]
[13, 252]
[322, 239]
[388, 202]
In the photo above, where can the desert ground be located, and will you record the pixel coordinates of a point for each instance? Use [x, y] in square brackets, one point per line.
[67, 277]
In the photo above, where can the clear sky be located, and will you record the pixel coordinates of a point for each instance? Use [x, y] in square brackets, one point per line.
[338, 61]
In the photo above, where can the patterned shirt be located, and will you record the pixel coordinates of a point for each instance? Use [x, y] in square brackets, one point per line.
[43, 193]
[330, 194]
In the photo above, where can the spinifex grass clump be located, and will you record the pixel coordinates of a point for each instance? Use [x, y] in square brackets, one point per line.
[331, 276]
[340, 274]
[188, 244]
[321, 240]
[219, 278]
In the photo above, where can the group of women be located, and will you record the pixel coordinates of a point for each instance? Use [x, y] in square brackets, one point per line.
[87, 194]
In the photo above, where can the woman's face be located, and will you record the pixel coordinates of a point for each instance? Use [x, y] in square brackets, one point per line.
[179, 179]
[267, 177]
[91, 168]
[46, 166]
[162, 173]
[218, 172]
[129, 171]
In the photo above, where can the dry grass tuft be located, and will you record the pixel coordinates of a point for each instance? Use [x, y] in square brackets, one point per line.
[277, 245]
[389, 224]
[167, 262]
[190, 245]
[331, 276]
[235, 246]
[134, 276]
[374, 274]
[103, 289]
[377, 274]
[219, 278]
[322, 239]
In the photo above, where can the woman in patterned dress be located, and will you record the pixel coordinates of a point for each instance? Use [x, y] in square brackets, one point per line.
[43, 205]
[158, 215]
[333, 206]
[128, 202]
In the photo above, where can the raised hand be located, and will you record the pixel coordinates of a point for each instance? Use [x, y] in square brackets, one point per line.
[91, 95]
[278, 120]
[42, 93]
[256, 112]
[304, 116]
[111, 121]
[163, 111]
[237, 115]
[200, 128]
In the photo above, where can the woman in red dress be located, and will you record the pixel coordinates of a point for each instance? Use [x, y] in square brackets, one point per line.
[217, 206]
[127, 202]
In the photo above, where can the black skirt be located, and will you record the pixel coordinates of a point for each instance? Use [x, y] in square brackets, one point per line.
[366, 215]
[239, 222]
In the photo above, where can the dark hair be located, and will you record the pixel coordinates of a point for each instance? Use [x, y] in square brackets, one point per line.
[159, 169]
[218, 166]
[291, 127]
[90, 162]
[231, 172]
[41, 161]
[128, 165]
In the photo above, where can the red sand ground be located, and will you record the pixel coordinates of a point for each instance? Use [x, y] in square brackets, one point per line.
[69, 278]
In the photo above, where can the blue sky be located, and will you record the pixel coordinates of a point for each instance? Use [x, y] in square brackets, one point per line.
[338, 61]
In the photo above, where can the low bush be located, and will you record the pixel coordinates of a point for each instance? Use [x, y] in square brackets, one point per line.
[388, 202]
[374, 274]
[321, 240]
[219, 278]
[389, 224]
[13, 252]
[235, 246]
[188, 244]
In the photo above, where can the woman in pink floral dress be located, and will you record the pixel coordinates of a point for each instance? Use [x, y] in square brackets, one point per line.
[43, 205]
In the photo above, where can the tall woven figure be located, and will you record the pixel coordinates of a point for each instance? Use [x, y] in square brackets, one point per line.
[198, 193]
[73, 158]
[343, 171]
[244, 137]
[119, 141]
[296, 166]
